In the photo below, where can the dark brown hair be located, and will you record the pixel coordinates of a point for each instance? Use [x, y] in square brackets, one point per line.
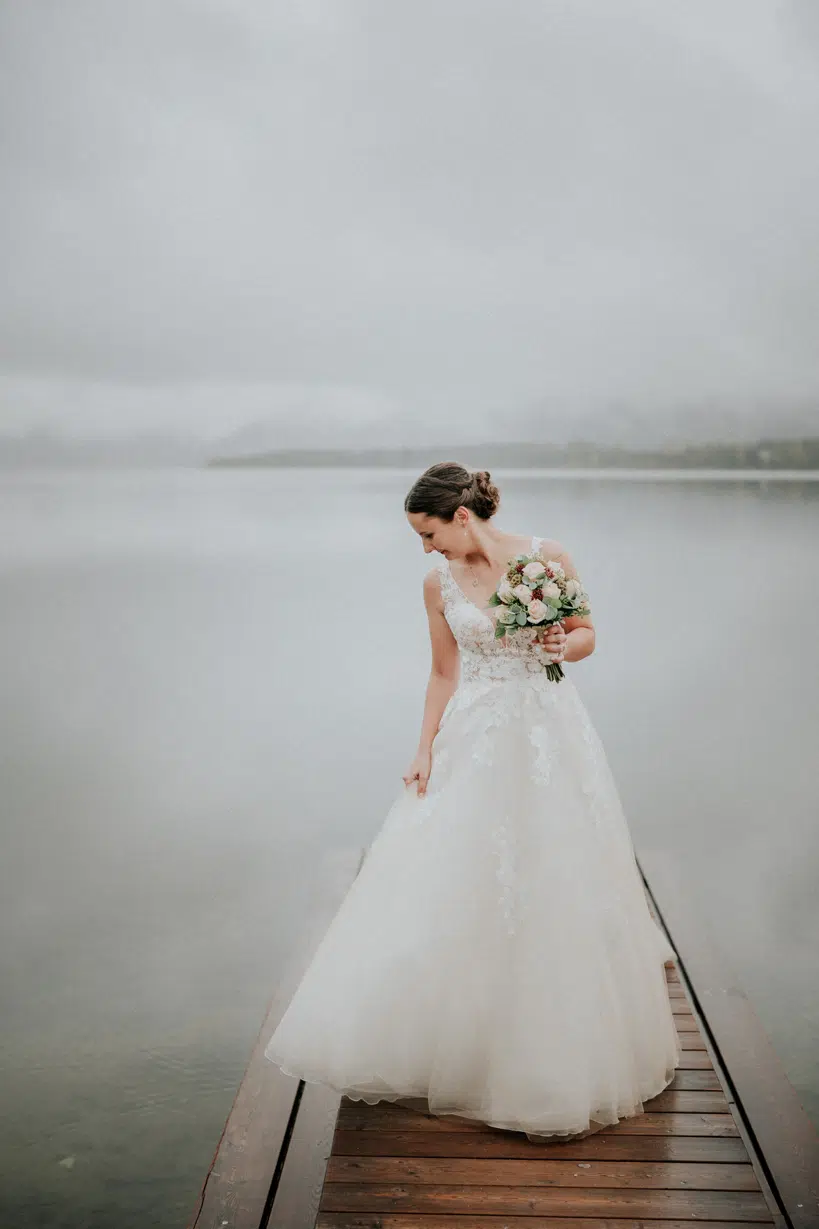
[446, 486]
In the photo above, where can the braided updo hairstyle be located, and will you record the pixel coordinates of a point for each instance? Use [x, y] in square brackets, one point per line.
[447, 485]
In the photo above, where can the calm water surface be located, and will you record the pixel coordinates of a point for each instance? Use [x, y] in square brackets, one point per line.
[198, 718]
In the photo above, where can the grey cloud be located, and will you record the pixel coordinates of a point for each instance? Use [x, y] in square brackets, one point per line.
[462, 204]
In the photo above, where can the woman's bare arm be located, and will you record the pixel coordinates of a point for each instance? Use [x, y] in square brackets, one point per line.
[580, 633]
[445, 670]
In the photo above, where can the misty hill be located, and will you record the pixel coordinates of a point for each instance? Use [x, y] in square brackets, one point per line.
[769, 454]
[50, 448]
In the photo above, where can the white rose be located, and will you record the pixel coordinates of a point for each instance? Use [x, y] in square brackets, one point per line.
[537, 611]
[534, 570]
[572, 588]
[553, 568]
[505, 592]
[506, 616]
[523, 593]
[551, 590]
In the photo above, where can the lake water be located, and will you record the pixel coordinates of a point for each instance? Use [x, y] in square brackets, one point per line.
[198, 717]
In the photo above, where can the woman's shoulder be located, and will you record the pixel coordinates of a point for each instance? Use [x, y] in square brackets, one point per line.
[551, 546]
[434, 578]
[435, 584]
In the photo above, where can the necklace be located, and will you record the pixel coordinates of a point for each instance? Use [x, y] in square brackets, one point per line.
[475, 581]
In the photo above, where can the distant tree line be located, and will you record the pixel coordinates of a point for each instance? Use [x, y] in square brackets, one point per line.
[580, 454]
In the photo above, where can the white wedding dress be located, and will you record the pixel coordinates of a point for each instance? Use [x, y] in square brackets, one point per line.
[495, 955]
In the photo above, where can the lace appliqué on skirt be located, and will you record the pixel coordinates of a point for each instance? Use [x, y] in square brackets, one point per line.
[545, 747]
[504, 851]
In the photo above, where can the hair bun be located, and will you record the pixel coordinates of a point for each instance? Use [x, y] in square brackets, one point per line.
[487, 496]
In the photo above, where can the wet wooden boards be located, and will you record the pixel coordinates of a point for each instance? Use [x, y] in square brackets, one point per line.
[397, 1167]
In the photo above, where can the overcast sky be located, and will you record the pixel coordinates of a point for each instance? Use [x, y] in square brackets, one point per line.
[229, 210]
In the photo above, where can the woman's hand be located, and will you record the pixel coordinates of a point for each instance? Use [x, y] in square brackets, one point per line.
[419, 771]
[553, 638]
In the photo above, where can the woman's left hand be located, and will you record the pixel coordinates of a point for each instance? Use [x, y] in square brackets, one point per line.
[553, 638]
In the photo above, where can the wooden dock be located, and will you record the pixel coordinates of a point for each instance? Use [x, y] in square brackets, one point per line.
[727, 1143]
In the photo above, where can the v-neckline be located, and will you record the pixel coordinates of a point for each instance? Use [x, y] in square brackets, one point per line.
[484, 610]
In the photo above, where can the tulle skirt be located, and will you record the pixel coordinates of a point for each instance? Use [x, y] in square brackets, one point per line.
[495, 956]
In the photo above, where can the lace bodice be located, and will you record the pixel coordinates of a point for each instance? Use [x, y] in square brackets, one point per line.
[483, 657]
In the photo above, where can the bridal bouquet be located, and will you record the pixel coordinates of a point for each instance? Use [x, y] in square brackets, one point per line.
[536, 592]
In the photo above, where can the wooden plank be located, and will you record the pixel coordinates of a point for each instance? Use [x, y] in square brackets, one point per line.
[247, 1161]
[685, 1100]
[601, 1146]
[375, 1198]
[238, 1179]
[691, 1042]
[782, 1140]
[698, 1080]
[695, 1060]
[411, 1220]
[506, 1171]
[297, 1195]
[692, 1100]
[395, 1118]
[614, 1146]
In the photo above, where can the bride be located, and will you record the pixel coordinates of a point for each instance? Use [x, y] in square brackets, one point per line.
[495, 955]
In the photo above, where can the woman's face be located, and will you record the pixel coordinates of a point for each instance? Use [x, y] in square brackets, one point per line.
[447, 537]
